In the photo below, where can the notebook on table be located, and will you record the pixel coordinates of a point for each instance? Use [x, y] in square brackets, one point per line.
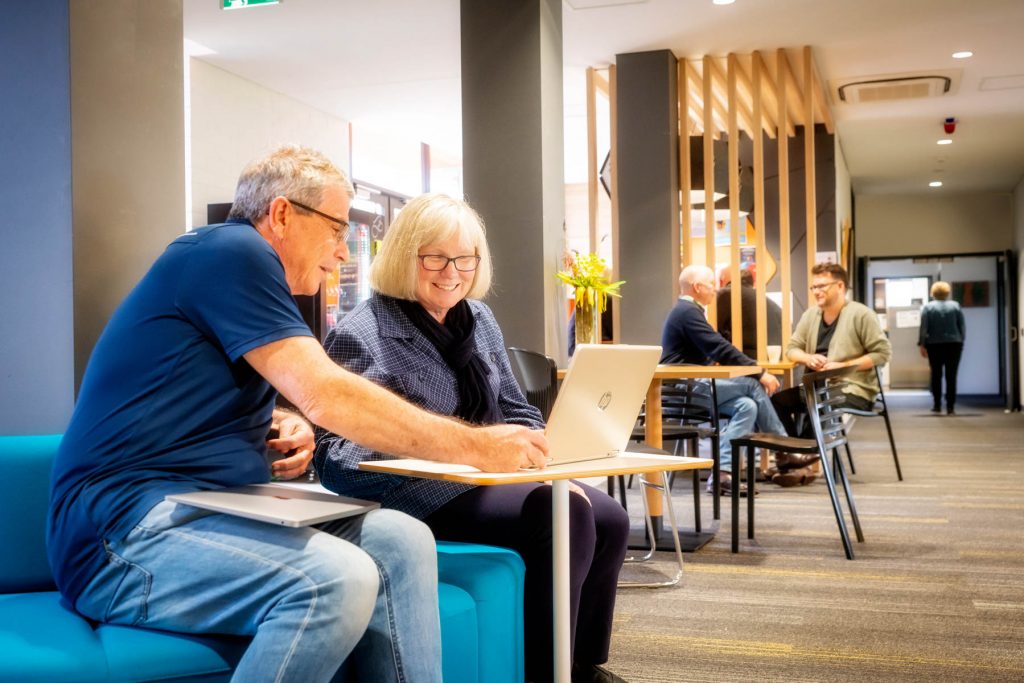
[284, 505]
[599, 401]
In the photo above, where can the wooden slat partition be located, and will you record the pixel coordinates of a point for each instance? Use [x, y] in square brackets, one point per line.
[761, 313]
[709, 182]
[785, 274]
[592, 169]
[810, 198]
[732, 67]
[686, 236]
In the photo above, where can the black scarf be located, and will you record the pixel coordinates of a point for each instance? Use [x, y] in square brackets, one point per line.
[455, 342]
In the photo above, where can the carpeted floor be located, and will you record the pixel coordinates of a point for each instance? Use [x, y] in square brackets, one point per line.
[936, 592]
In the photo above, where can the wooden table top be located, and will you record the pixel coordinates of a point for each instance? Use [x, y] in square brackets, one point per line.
[626, 463]
[697, 371]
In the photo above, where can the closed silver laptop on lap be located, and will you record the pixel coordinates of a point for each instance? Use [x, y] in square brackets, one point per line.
[276, 504]
[599, 401]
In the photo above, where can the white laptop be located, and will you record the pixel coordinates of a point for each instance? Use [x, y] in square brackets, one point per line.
[277, 504]
[598, 403]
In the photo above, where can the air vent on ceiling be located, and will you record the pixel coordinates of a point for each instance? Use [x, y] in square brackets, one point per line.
[868, 89]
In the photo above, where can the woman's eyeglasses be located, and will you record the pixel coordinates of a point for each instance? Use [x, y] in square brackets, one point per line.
[438, 262]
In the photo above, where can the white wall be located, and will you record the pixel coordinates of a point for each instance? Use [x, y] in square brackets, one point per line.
[235, 121]
[913, 225]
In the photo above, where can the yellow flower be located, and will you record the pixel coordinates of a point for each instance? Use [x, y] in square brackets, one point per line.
[585, 274]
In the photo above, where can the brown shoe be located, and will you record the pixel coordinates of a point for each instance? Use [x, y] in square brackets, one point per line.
[794, 461]
[798, 477]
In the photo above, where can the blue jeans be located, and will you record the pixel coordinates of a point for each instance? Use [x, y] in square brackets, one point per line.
[749, 409]
[366, 592]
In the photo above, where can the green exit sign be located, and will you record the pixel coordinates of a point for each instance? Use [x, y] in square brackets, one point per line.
[240, 4]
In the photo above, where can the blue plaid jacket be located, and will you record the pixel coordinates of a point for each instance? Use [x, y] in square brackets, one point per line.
[377, 341]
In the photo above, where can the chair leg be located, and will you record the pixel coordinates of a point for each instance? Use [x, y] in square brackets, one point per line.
[622, 491]
[735, 498]
[849, 456]
[751, 480]
[848, 490]
[892, 444]
[826, 468]
[696, 501]
[611, 487]
[716, 488]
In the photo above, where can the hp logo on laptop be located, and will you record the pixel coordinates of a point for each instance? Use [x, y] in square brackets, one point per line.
[605, 399]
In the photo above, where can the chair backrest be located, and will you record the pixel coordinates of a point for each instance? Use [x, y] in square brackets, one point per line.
[688, 402]
[23, 509]
[538, 377]
[823, 394]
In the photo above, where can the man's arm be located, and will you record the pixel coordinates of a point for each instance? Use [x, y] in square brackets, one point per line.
[358, 409]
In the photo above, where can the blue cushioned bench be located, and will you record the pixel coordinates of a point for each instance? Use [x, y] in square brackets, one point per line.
[480, 590]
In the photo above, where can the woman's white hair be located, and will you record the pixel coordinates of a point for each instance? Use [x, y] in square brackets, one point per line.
[427, 219]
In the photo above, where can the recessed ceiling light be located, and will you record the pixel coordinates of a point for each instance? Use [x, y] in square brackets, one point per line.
[944, 141]
[722, 2]
[935, 183]
[963, 55]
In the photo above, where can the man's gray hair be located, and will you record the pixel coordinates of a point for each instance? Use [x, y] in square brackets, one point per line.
[298, 173]
[691, 274]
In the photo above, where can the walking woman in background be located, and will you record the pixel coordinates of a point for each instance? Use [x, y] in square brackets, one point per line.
[941, 342]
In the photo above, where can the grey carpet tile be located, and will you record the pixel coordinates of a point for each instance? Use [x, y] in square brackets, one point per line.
[936, 592]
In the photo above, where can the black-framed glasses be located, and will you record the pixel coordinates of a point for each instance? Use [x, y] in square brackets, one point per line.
[823, 287]
[340, 232]
[438, 262]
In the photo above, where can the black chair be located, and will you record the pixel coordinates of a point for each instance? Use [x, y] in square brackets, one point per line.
[538, 376]
[822, 394]
[880, 409]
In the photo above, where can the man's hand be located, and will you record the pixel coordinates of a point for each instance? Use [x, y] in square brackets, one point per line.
[923, 350]
[294, 438]
[506, 448]
[814, 361]
[769, 382]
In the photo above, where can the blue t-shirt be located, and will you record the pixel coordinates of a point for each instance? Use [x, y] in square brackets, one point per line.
[167, 403]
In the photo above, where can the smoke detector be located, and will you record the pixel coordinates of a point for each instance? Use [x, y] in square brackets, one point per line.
[888, 87]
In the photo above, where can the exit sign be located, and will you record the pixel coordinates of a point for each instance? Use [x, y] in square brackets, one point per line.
[239, 4]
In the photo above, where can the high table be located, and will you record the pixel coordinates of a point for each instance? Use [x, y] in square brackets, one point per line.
[782, 368]
[559, 476]
[652, 434]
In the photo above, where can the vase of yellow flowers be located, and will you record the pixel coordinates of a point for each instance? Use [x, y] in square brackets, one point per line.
[586, 274]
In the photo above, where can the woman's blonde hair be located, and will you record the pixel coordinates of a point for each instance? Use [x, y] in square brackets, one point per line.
[427, 219]
[940, 290]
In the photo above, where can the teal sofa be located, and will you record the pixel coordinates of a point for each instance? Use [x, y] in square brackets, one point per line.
[480, 590]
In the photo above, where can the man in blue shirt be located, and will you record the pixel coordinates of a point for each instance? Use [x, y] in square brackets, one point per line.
[688, 339]
[179, 396]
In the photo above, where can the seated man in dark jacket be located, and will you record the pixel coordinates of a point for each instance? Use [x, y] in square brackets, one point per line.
[748, 312]
[689, 339]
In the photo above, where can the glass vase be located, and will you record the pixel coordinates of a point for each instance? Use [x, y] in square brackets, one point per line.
[588, 324]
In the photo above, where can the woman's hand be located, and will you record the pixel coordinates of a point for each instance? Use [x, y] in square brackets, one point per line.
[295, 440]
[506, 448]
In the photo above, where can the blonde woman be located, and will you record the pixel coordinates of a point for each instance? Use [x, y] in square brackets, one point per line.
[425, 334]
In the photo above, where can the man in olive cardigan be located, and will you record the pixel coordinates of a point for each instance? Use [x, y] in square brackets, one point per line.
[833, 334]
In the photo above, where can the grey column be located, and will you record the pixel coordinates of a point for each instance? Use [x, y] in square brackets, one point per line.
[127, 151]
[513, 159]
[647, 133]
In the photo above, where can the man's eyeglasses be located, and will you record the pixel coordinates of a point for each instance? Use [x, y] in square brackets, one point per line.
[340, 231]
[438, 262]
[823, 287]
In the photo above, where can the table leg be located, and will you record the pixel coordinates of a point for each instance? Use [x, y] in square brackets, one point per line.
[652, 435]
[560, 561]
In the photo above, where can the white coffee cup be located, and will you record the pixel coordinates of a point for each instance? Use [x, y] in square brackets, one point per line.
[774, 353]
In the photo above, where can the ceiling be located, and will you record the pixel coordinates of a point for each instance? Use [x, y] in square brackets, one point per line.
[394, 64]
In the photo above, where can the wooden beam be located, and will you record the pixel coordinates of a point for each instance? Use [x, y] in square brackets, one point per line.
[810, 194]
[592, 169]
[746, 92]
[796, 97]
[734, 204]
[723, 101]
[785, 277]
[601, 80]
[718, 112]
[825, 114]
[761, 311]
[685, 232]
[709, 184]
